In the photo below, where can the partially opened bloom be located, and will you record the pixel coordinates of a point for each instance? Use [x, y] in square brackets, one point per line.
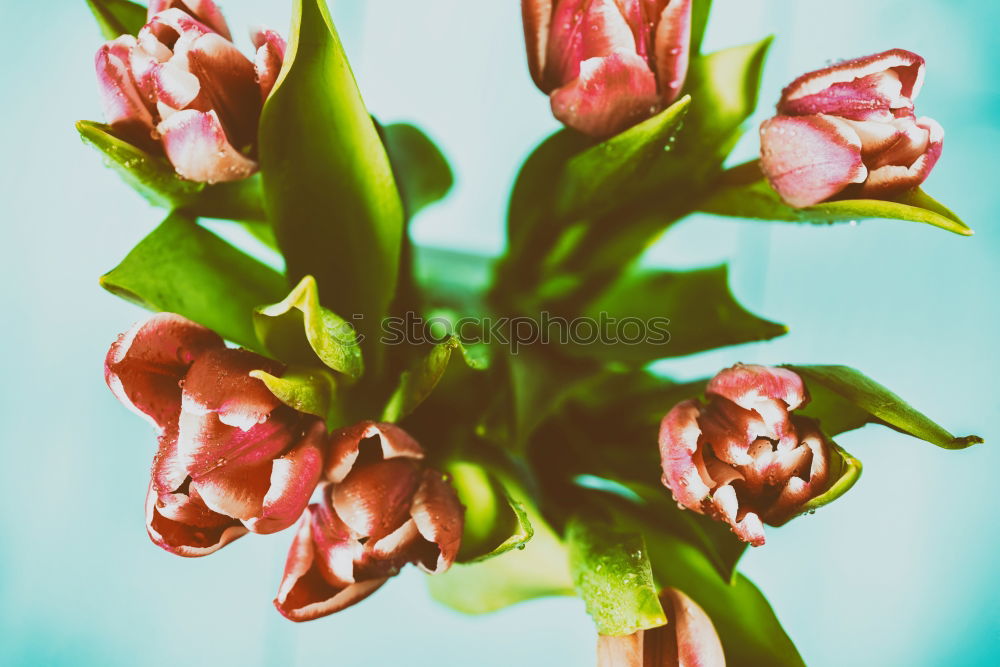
[687, 640]
[851, 128]
[181, 87]
[382, 510]
[607, 64]
[231, 457]
[744, 457]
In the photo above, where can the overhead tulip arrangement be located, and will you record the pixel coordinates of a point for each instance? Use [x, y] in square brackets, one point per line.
[520, 446]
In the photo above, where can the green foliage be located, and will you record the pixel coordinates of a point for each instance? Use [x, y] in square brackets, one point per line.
[421, 169]
[495, 521]
[118, 17]
[328, 184]
[309, 390]
[417, 382]
[185, 269]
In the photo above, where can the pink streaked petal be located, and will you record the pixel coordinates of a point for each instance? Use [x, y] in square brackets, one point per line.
[582, 30]
[184, 539]
[171, 33]
[892, 179]
[610, 95]
[726, 505]
[374, 500]
[908, 67]
[694, 639]
[345, 444]
[145, 365]
[621, 651]
[205, 11]
[198, 148]
[123, 104]
[294, 477]
[268, 60]
[910, 143]
[229, 81]
[808, 159]
[145, 69]
[439, 516]
[308, 601]
[680, 458]
[233, 490]
[730, 430]
[751, 387]
[174, 85]
[672, 48]
[537, 17]
[337, 550]
[220, 382]
[874, 97]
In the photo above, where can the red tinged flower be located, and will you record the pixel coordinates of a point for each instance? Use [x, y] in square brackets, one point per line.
[851, 129]
[231, 457]
[382, 510]
[744, 457]
[687, 640]
[607, 64]
[183, 89]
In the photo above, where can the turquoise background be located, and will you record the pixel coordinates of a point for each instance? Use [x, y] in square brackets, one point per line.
[901, 571]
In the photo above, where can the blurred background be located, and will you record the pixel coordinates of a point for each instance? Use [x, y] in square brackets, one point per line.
[901, 571]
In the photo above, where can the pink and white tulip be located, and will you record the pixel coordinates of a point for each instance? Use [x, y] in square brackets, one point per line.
[607, 64]
[687, 640]
[851, 129]
[381, 510]
[744, 457]
[231, 457]
[183, 89]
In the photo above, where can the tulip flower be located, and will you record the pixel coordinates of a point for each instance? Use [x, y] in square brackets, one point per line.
[382, 510]
[744, 457]
[231, 457]
[607, 64]
[687, 640]
[850, 129]
[181, 88]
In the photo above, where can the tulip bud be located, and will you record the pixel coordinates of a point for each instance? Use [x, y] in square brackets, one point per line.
[183, 89]
[851, 129]
[607, 64]
[744, 458]
[687, 640]
[383, 509]
[231, 457]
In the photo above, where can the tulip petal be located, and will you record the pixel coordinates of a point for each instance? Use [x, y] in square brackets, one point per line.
[199, 150]
[374, 500]
[808, 159]
[622, 651]
[304, 593]
[345, 446]
[205, 11]
[889, 179]
[584, 30]
[170, 34]
[294, 477]
[188, 540]
[857, 86]
[270, 55]
[692, 637]
[611, 94]
[229, 82]
[124, 106]
[757, 388]
[537, 17]
[439, 516]
[673, 48]
[683, 469]
[144, 366]
[220, 382]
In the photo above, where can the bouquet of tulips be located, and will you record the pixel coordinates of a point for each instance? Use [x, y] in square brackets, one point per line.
[492, 420]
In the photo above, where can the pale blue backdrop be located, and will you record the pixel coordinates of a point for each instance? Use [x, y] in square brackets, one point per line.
[902, 571]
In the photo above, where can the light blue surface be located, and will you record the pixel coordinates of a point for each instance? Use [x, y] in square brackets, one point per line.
[902, 571]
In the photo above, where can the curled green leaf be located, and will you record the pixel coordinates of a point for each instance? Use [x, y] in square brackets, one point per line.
[612, 573]
[298, 330]
[309, 390]
[417, 383]
[118, 17]
[421, 169]
[495, 522]
[844, 398]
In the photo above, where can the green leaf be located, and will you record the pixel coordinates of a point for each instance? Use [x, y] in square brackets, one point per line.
[421, 169]
[602, 176]
[844, 472]
[613, 575]
[495, 522]
[750, 632]
[183, 268]
[118, 17]
[699, 21]
[746, 194]
[309, 390]
[417, 383]
[701, 310]
[154, 178]
[298, 330]
[328, 184]
[859, 400]
[540, 569]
